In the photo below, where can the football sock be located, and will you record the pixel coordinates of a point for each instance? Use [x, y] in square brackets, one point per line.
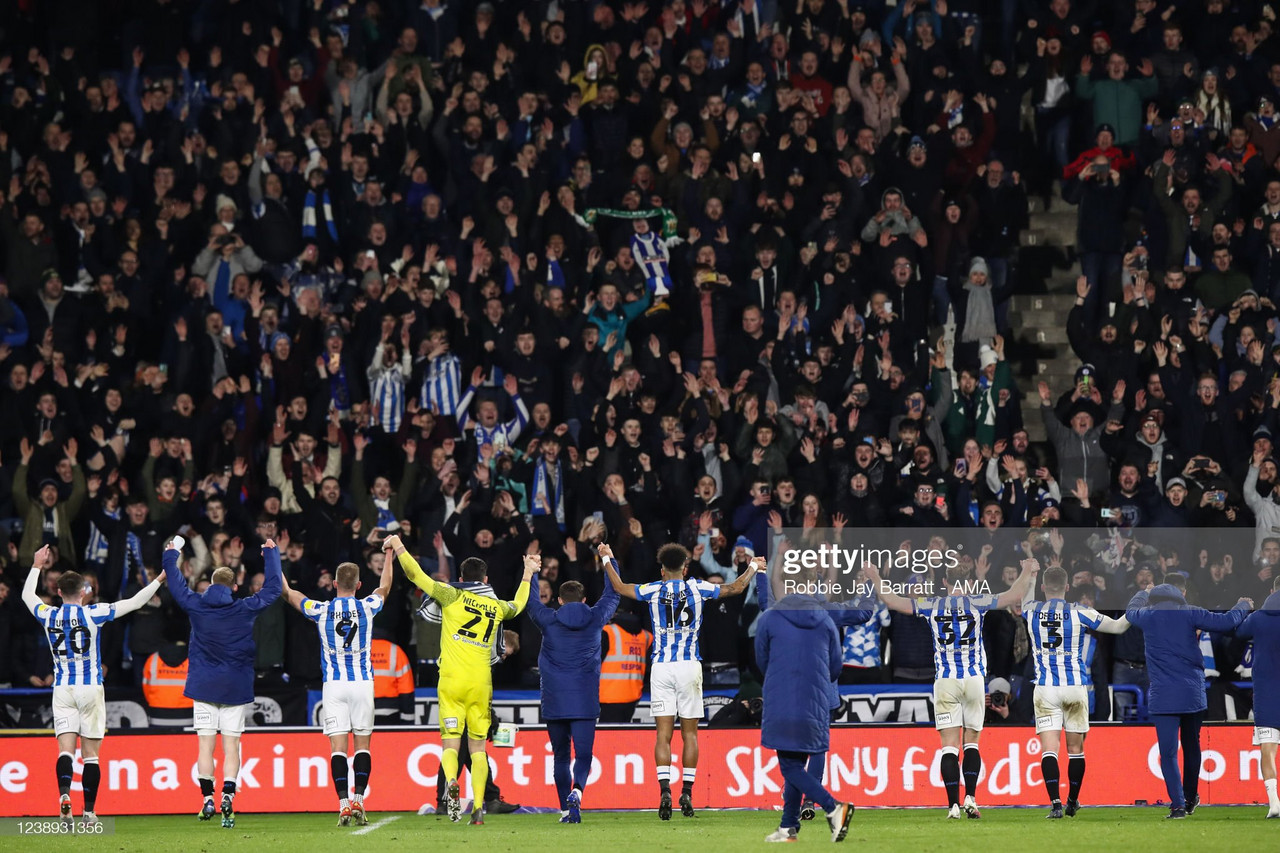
[951, 774]
[449, 763]
[361, 764]
[1075, 775]
[338, 767]
[972, 769]
[690, 774]
[92, 776]
[1272, 799]
[206, 787]
[229, 788]
[664, 779]
[479, 778]
[1049, 770]
[64, 772]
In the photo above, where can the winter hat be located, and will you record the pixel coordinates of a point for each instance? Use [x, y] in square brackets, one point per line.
[745, 544]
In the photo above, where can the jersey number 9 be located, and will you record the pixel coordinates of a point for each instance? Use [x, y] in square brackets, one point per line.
[348, 629]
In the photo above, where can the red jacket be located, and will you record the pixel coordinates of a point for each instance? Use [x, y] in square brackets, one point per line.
[1120, 160]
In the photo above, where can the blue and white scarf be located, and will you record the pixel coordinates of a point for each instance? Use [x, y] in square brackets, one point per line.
[540, 497]
[309, 216]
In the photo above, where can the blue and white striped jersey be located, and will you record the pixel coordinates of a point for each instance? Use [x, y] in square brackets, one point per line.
[956, 622]
[442, 385]
[1060, 641]
[72, 632]
[346, 635]
[676, 609]
[387, 390]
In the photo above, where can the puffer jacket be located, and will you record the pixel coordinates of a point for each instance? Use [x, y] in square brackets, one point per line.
[1175, 664]
[798, 648]
[1263, 627]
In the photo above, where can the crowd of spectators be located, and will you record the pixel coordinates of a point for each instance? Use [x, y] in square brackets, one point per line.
[494, 274]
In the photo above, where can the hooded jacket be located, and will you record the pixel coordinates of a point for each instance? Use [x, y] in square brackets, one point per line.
[222, 652]
[1263, 627]
[1174, 661]
[895, 222]
[569, 662]
[798, 649]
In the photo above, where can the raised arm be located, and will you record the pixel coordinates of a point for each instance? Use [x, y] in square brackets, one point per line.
[272, 581]
[532, 562]
[739, 586]
[891, 599]
[138, 599]
[1014, 594]
[29, 597]
[388, 573]
[439, 592]
[626, 590]
[291, 596]
[178, 588]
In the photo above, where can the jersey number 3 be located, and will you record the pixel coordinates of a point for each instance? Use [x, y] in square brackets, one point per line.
[476, 616]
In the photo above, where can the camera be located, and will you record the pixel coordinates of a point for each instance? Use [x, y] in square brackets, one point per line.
[999, 700]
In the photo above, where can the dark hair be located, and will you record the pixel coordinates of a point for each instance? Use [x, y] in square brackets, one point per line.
[474, 569]
[673, 558]
[572, 591]
[1175, 580]
[70, 583]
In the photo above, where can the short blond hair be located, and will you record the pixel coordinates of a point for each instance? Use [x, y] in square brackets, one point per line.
[223, 576]
[347, 576]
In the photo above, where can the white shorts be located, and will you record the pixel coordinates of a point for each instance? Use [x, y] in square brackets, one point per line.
[1062, 709]
[211, 718]
[959, 702]
[80, 709]
[1264, 734]
[347, 707]
[675, 690]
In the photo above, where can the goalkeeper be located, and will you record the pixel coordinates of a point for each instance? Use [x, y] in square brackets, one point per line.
[472, 621]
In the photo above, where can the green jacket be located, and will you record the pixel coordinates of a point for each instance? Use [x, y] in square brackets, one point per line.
[33, 515]
[158, 511]
[365, 506]
[976, 416]
[1118, 103]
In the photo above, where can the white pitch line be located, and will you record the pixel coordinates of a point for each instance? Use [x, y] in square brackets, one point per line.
[371, 827]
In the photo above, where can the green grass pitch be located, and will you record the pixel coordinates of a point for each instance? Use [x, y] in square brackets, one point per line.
[1239, 829]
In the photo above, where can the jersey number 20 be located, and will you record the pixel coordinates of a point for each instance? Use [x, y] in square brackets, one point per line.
[73, 642]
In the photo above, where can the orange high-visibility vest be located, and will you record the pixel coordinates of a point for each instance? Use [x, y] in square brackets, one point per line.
[162, 684]
[391, 673]
[622, 670]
